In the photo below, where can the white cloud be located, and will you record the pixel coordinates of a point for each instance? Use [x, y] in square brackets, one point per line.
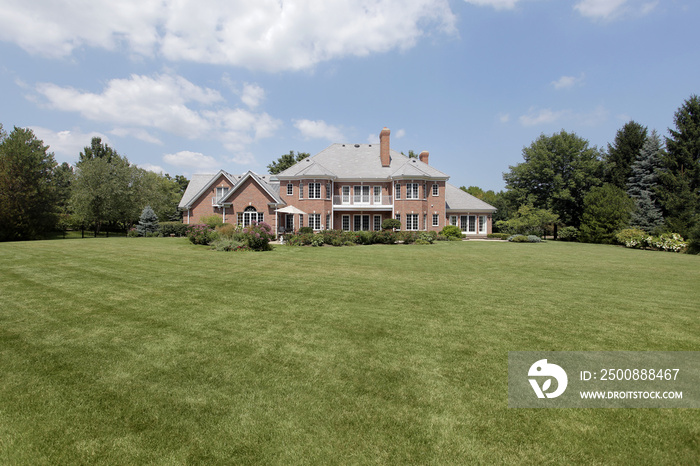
[266, 34]
[67, 145]
[542, 116]
[567, 82]
[400, 133]
[504, 117]
[151, 168]
[252, 95]
[137, 133]
[613, 9]
[497, 4]
[193, 160]
[319, 129]
[547, 116]
[165, 103]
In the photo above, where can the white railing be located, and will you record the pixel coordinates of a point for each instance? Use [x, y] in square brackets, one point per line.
[358, 200]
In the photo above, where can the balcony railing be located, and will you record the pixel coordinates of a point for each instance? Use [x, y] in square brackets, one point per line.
[362, 200]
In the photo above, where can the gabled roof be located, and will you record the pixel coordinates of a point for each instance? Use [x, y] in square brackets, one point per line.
[199, 184]
[271, 189]
[456, 199]
[360, 161]
[311, 169]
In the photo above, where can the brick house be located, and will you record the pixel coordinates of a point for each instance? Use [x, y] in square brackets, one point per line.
[344, 187]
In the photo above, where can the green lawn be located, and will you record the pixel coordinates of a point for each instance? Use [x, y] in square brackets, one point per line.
[152, 350]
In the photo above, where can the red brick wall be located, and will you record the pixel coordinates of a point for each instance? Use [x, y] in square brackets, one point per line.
[202, 207]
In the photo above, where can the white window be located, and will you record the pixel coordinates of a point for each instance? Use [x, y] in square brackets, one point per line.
[411, 190]
[346, 194]
[397, 190]
[301, 190]
[412, 221]
[467, 223]
[436, 190]
[453, 220]
[328, 190]
[436, 220]
[398, 217]
[425, 221]
[482, 223]
[377, 195]
[250, 215]
[377, 222]
[346, 223]
[301, 220]
[361, 194]
[328, 221]
[361, 222]
[315, 221]
[314, 190]
[290, 189]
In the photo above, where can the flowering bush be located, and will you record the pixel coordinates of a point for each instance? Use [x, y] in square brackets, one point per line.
[635, 238]
[671, 242]
[257, 236]
[201, 234]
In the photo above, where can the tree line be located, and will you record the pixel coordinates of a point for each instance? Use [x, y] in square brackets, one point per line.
[102, 191]
[582, 192]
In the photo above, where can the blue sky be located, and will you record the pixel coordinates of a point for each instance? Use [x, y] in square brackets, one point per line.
[193, 87]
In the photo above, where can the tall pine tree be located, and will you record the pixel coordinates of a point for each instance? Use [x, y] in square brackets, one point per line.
[642, 184]
[679, 177]
[622, 153]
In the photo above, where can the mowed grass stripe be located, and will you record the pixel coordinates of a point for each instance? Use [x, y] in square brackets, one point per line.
[131, 351]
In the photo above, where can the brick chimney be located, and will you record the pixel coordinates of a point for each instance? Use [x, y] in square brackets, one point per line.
[384, 147]
[423, 156]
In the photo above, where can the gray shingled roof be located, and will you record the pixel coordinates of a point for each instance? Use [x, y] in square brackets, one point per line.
[201, 182]
[456, 199]
[361, 161]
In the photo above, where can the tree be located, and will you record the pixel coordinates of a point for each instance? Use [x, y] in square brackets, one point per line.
[27, 190]
[679, 176]
[606, 210]
[97, 150]
[286, 161]
[148, 222]
[557, 173]
[528, 220]
[623, 152]
[101, 191]
[642, 183]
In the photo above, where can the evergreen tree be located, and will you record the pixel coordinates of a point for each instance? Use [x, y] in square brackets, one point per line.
[622, 153]
[27, 188]
[606, 210]
[679, 177]
[148, 222]
[642, 184]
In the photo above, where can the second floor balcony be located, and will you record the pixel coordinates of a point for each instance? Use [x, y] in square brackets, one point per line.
[364, 201]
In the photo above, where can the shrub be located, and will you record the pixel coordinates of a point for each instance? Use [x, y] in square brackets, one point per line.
[452, 231]
[670, 242]
[212, 221]
[524, 239]
[148, 222]
[425, 237]
[304, 230]
[223, 244]
[384, 237]
[498, 235]
[132, 233]
[174, 228]
[391, 224]
[633, 238]
[258, 235]
[231, 232]
[568, 234]
[201, 234]
[317, 240]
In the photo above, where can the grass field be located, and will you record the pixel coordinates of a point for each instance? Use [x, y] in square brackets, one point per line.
[152, 350]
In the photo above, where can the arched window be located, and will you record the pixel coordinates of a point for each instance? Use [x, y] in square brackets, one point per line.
[249, 215]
